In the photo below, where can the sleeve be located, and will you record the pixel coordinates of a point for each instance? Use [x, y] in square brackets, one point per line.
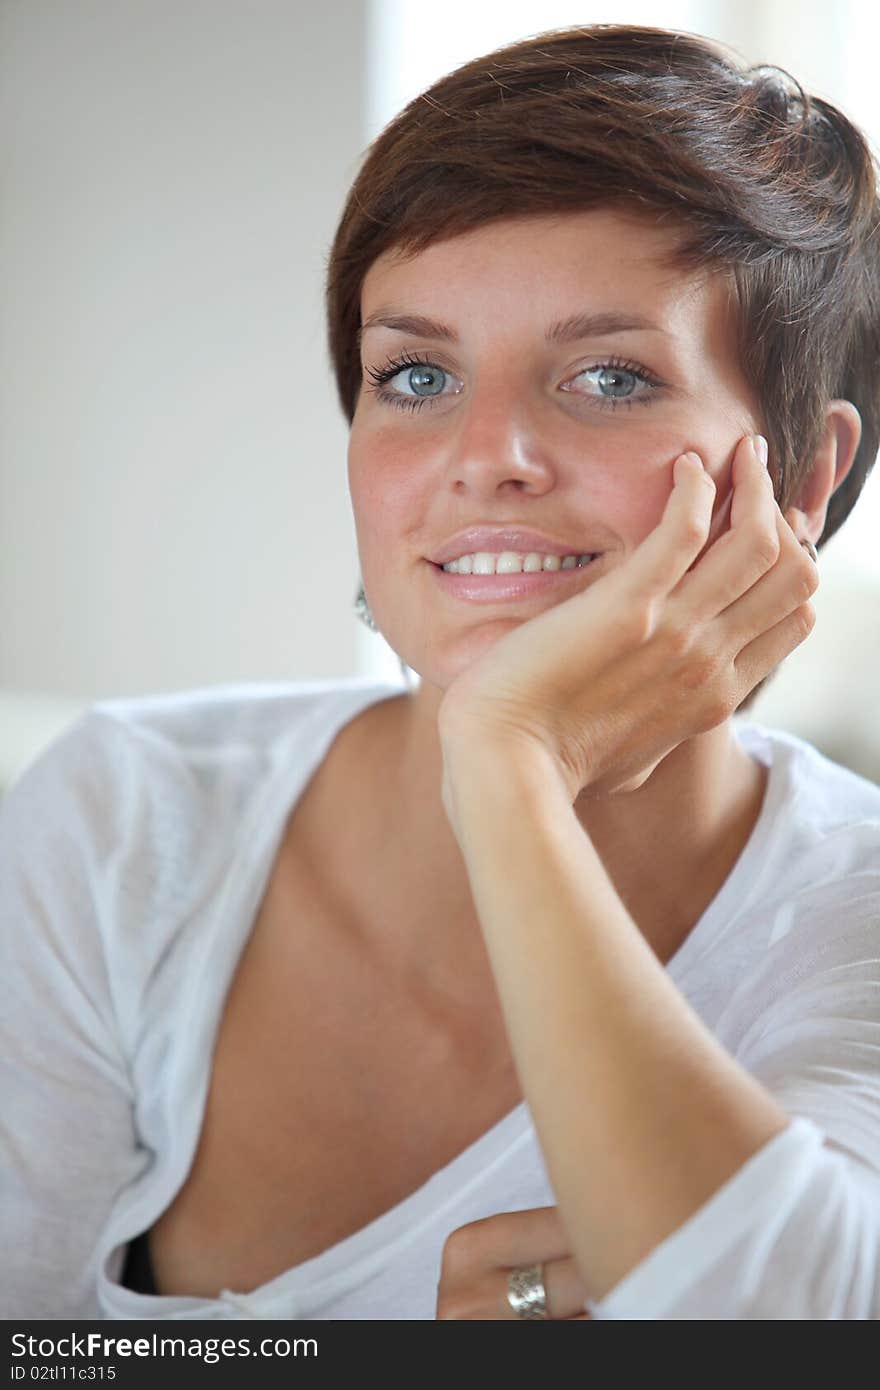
[67, 1138]
[795, 1234]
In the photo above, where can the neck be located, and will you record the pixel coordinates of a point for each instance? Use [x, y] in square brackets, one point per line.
[667, 847]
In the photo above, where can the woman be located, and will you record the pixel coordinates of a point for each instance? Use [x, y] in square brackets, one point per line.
[307, 983]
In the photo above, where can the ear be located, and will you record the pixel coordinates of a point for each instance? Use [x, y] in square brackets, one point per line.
[831, 462]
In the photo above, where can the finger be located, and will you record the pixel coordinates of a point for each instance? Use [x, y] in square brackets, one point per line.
[718, 524]
[508, 1240]
[763, 655]
[743, 554]
[664, 556]
[529, 1236]
[779, 639]
[780, 592]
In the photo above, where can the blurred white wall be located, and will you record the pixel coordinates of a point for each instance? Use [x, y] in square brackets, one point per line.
[173, 498]
[174, 509]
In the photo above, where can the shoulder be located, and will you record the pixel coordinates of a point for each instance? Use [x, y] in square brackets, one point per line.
[824, 793]
[806, 930]
[118, 840]
[210, 729]
[137, 797]
[123, 806]
[190, 742]
[819, 831]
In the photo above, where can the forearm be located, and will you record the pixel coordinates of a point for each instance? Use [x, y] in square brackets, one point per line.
[642, 1115]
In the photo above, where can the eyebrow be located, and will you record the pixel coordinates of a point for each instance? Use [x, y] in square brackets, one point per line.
[565, 331]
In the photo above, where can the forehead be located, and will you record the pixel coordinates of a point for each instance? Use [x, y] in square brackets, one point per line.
[519, 273]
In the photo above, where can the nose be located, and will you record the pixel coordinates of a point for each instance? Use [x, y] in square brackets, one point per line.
[498, 444]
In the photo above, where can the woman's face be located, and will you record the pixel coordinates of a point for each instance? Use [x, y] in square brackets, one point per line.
[504, 422]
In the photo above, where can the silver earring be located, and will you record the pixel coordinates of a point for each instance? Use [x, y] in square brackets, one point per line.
[362, 609]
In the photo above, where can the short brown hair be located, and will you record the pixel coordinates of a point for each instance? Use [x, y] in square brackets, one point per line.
[772, 185]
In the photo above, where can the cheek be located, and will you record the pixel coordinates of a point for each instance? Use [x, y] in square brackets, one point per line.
[632, 483]
[386, 487]
[375, 450]
[634, 515]
[637, 472]
[369, 468]
[382, 451]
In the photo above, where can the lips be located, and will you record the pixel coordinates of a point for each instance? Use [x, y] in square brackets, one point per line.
[495, 589]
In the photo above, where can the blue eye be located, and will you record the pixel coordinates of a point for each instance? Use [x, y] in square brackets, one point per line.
[614, 382]
[618, 381]
[427, 376]
[426, 379]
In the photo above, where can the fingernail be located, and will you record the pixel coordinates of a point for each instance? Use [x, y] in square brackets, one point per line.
[761, 450]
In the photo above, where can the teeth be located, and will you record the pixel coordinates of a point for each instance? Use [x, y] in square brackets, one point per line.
[512, 562]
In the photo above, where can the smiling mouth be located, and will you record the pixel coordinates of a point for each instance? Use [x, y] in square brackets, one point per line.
[515, 584]
[555, 565]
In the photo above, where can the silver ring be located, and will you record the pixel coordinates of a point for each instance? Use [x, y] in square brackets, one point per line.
[526, 1293]
[811, 551]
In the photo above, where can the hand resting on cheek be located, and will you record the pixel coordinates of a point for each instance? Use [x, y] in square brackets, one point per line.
[665, 646]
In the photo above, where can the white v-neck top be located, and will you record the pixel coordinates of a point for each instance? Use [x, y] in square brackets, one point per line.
[134, 854]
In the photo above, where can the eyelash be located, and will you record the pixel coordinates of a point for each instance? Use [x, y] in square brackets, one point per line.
[380, 375]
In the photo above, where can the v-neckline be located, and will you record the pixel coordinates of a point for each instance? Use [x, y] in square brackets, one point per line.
[350, 1258]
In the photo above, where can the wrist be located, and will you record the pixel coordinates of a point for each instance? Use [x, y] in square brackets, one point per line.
[496, 777]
